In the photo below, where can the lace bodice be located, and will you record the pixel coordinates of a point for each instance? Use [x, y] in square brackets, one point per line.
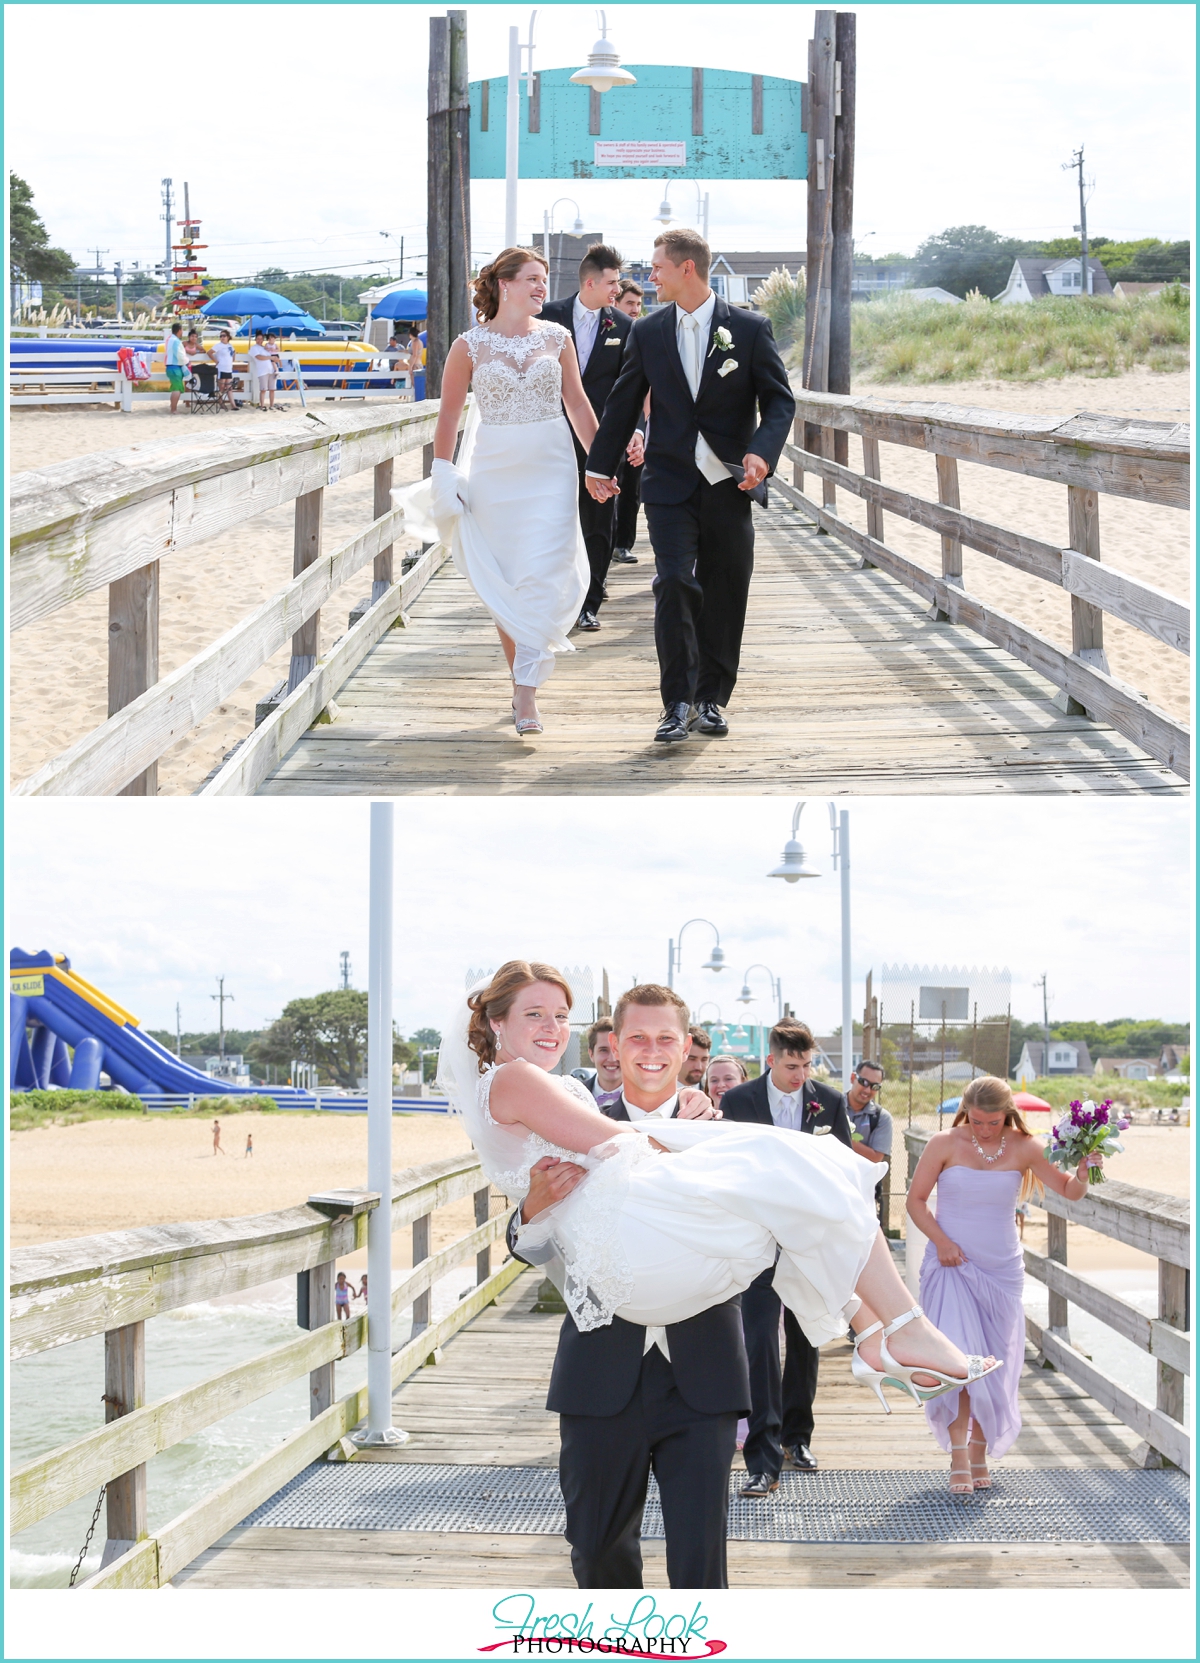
[517, 378]
[515, 1181]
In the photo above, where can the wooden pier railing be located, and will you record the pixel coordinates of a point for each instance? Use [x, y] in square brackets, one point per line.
[109, 519]
[111, 1284]
[1146, 460]
[1156, 1224]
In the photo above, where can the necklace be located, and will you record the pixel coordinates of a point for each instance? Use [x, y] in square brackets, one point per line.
[990, 1159]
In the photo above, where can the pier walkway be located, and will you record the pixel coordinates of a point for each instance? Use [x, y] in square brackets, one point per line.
[481, 1442]
[846, 685]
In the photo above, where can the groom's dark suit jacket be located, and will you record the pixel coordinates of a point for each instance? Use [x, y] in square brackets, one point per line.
[596, 1373]
[822, 1106]
[748, 410]
[605, 360]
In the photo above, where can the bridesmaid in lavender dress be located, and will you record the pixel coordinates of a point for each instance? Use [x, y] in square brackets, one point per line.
[973, 1273]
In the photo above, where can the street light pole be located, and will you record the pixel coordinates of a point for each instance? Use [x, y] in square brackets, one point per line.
[716, 959]
[841, 856]
[380, 1430]
[512, 138]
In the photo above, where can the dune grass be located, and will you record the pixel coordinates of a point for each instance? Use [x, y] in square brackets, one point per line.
[30, 1109]
[918, 342]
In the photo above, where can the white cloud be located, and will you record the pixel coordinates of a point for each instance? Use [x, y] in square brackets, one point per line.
[154, 901]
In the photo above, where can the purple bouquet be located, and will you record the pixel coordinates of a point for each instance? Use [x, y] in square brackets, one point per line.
[1086, 1129]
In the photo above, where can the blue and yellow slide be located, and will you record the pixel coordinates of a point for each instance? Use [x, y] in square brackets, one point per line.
[54, 1012]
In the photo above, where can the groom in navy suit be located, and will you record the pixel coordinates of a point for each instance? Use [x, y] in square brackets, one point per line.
[720, 413]
[631, 1398]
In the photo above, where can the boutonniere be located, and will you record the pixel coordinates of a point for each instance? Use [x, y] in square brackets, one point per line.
[727, 367]
[722, 341]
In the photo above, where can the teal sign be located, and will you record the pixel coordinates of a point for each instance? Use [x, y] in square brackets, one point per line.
[674, 124]
[746, 1039]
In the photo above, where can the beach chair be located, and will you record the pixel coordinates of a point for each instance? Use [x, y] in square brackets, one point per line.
[201, 388]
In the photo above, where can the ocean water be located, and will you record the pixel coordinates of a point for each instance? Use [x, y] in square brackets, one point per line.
[55, 1398]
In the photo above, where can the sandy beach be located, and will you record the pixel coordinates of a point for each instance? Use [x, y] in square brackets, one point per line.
[59, 666]
[111, 1175]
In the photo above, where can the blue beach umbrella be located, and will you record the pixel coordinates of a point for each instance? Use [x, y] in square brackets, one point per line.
[403, 306]
[291, 323]
[240, 303]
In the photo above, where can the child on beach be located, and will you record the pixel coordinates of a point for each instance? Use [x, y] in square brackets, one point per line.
[343, 1293]
[223, 353]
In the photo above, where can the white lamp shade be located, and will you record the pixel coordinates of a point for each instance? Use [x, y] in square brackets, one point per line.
[603, 70]
[716, 960]
[792, 868]
[745, 997]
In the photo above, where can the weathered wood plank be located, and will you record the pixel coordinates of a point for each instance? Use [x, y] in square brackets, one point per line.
[265, 748]
[80, 524]
[1156, 1224]
[1148, 461]
[429, 1268]
[1161, 1431]
[1149, 609]
[103, 760]
[133, 605]
[1159, 1338]
[124, 1395]
[1137, 718]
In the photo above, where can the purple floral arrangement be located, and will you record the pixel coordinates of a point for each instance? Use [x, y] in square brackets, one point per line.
[1086, 1129]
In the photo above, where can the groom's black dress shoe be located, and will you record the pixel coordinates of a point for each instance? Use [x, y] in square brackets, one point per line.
[759, 1484]
[801, 1456]
[588, 620]
[708, 719]
[623, 557]
[674, 724]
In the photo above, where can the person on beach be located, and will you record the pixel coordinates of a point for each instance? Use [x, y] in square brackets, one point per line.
[176, 359]
[216, 1136]
[362, 1292]
[343, 1293]
[509, 507]
[223, 353]
[264, 364]
[249, 1146]
[651, 1238]
[973, 1272]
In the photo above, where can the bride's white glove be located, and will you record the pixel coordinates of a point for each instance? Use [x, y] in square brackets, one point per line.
[448, 491]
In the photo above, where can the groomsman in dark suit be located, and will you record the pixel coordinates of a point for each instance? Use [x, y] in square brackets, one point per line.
[721, 410]
[781, 1413]
[599, 332]
[629, 1397]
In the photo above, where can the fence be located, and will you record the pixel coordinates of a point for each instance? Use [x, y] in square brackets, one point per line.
[351, 1102]
[111, 1284]
[108, 519]
[1159, 1225]
[1090, 455]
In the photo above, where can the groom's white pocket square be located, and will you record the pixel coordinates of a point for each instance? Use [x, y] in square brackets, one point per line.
[613, 340]
[727, 366]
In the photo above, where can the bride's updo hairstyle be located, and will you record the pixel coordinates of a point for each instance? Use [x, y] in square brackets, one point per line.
[493, 1002]
[486, 293]
[993, 1096]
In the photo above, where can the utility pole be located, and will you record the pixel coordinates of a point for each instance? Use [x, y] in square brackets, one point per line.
[168, 205]
[1076, 163]
[1045, 1020]
[99, 271]
[221, 997]
[178, 1033]
[345, 971]
[448, 219]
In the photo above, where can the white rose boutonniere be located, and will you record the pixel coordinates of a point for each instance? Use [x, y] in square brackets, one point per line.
[722, 340]
[727, 367]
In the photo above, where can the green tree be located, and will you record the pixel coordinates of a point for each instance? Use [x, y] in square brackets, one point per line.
[965, 257]
[31, 257]
[328, 1029]
[428, 1038]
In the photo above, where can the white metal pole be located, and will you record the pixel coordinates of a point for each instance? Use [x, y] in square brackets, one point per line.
[513, 139]
[847, 1017]
[379, 1134]
[671, 961]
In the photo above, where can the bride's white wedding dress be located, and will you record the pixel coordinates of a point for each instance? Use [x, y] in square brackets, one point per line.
[657, 1238]
[509, 507]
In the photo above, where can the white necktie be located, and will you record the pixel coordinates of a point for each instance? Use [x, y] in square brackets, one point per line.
[706, 458]
[691, 335]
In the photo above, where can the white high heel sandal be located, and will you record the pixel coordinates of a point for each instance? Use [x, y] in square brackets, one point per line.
[977, 1367]
[865, 1374]
[961, 1483]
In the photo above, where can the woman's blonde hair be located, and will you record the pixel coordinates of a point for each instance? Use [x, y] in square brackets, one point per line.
[493, 1002]
[991, 1095]
[724, 1056]
[486, 287]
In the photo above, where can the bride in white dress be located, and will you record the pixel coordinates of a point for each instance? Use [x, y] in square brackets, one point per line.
[661, 1227]
[509, 507]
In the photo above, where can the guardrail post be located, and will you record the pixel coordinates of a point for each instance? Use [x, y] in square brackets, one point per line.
[870, 450]
[318, 1283]
[1087, 621]
[124, 1391]
[483, 1259]
[1172, 1308]
[306, 550]
[1056, 1249]
[133, 653]
[798, 441]
[420, 1250]
[382, 570]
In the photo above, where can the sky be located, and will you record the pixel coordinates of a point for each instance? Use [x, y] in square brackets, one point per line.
[965, 114]
[154, 903]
